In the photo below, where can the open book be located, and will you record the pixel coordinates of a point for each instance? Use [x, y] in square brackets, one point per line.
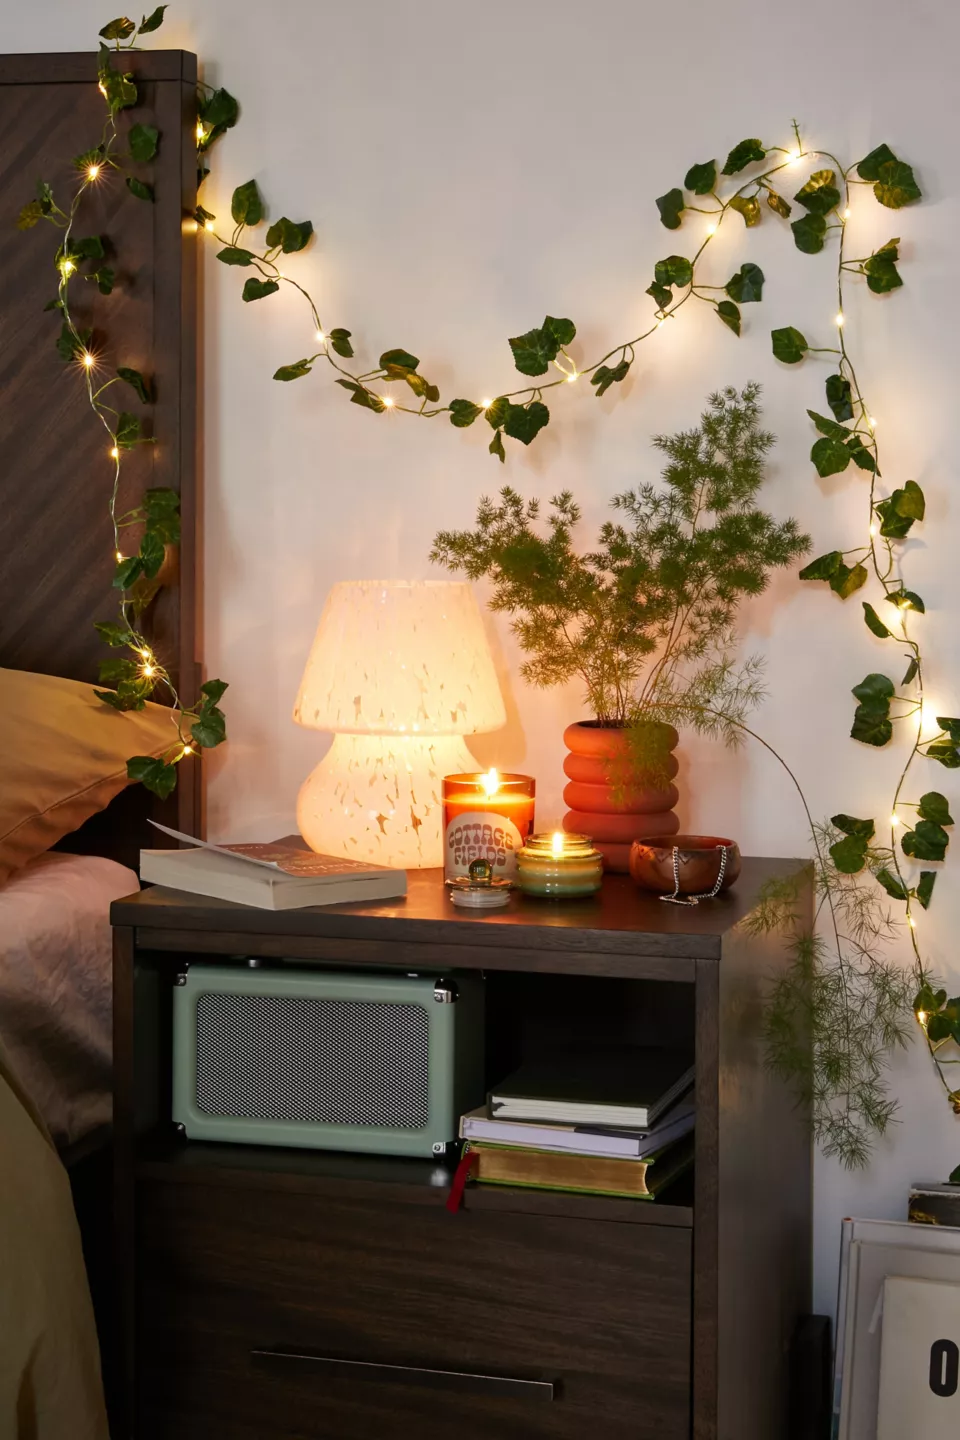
[271, 877]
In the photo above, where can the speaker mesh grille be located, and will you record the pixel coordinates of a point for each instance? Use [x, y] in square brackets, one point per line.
[333, 1062]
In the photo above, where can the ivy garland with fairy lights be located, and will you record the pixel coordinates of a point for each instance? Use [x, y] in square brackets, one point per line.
[860, 1000]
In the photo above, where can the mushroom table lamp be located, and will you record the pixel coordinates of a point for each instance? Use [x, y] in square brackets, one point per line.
[400, 671]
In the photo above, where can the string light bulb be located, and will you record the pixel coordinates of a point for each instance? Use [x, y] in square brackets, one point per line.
[794, 157]
[93, 171]
[389, 401]
[486, 404]
[102, 88]
[148, 670]
[873, 532]
[895, 820]
[838, 319]
[712, 228]
[846, 213]
[87, 360]
[208, 225]
[114, 453]
[922, 1017]
[187, 750]
[911, 922]
[118, 556]
[321, 337]
[201, 130]
[68, 267]
[871, 421]
[574, 375]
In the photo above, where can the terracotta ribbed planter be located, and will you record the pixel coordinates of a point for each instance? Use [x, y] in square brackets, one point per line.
[601, 806]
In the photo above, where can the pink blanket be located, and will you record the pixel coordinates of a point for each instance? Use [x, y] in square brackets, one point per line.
[55, 987]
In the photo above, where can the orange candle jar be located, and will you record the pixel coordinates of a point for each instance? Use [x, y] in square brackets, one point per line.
[486, 817]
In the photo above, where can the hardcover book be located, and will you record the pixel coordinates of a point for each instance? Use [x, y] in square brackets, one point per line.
[610, 1087]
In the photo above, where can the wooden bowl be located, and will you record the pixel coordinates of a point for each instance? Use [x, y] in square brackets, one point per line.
[698, 863]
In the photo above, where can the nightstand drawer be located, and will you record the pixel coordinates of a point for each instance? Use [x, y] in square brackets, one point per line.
[268, 1315]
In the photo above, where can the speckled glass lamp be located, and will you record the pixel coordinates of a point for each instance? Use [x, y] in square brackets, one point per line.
[400, 671]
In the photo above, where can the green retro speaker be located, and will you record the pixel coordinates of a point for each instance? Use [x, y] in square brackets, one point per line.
[329, 1060]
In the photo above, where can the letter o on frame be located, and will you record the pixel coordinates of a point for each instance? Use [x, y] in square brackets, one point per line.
[944, 1368]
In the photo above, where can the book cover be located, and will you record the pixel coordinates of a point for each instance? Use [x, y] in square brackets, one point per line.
[580, 1174]
[578, 1139]
[611, 1087]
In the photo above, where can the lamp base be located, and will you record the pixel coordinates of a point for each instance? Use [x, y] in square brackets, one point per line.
[380, 798]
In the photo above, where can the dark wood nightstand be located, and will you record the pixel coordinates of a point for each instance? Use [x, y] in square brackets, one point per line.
[270, 1294]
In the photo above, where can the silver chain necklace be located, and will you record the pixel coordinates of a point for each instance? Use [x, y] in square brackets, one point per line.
[677, 899]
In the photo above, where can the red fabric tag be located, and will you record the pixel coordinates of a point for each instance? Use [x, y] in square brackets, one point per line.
[469, 1162]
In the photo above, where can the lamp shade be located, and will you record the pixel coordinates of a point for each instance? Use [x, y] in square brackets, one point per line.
[400, 670]
[400, 657]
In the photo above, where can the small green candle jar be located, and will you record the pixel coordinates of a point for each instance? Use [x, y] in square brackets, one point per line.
[559, 866]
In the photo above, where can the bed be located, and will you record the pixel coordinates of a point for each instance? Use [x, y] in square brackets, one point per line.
[55, 582]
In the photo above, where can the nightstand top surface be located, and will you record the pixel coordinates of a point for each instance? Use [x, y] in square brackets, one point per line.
[620, 918]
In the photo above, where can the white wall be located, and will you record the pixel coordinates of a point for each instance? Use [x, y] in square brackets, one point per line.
[470, 168]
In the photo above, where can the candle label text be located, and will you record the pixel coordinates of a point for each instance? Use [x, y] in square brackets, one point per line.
[479, 835]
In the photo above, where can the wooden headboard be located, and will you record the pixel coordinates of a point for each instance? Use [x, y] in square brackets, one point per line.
[55, 473]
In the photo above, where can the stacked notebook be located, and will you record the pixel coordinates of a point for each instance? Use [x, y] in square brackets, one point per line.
[617, 1122]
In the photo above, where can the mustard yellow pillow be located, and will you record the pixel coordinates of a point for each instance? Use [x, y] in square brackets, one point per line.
[63, 757]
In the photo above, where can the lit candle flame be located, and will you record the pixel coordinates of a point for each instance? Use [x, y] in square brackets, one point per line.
[557, 843]
[490, 783]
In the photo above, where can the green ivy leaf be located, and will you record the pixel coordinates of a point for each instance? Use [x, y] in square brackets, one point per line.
[674, 270]
[210, 728]
[820, 194]
[662, 294]
[808, 233]
[154, 774]
[135, 379]
[874, 622]
[778, 204]
[823, 568]
[296, 371]
[839, 397]
[398, 360]
[233, 255]
[258, 289]
[88, 248]
[869, 167]
[534, 351]
[829, 427]
[605, 375]
[140, 188]
[746, 285]
[912, 670]
[162, 508]
[925, 887]
[105, 278]
[946, 752]
[899, 511]
[360, 395]
[671, 207]
[729, 314]
[120, 29]
[214, 690]
[830, 456]
[143, 142]
[202, 216]
[111, 672]
[896, 185]
[928, 841]
[880, 269]
[861, 455]
[127, 433]
[290, 235]
[871, 721]
[848, 579]
[30, 215]
[934, 806]
[906, 600]
[151, 553]
[496, 446]
[951, 726]
[463, 413]
[70, 343]
[114, 634]
[246, 204]
[524, 422]
[788, 345]
[497, 411]
[749, 207]
[701, 179]
[743, 155]
[153, 21]
[127, 572]
[891, 884]
[849, 854]
[340, 340]
[850, 825]
[120, 90]
[125, 697]
[219, 110]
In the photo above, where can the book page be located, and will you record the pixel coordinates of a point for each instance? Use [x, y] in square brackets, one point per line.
[282, 858]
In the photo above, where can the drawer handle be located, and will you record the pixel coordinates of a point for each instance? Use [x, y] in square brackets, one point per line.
[461, 1380]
